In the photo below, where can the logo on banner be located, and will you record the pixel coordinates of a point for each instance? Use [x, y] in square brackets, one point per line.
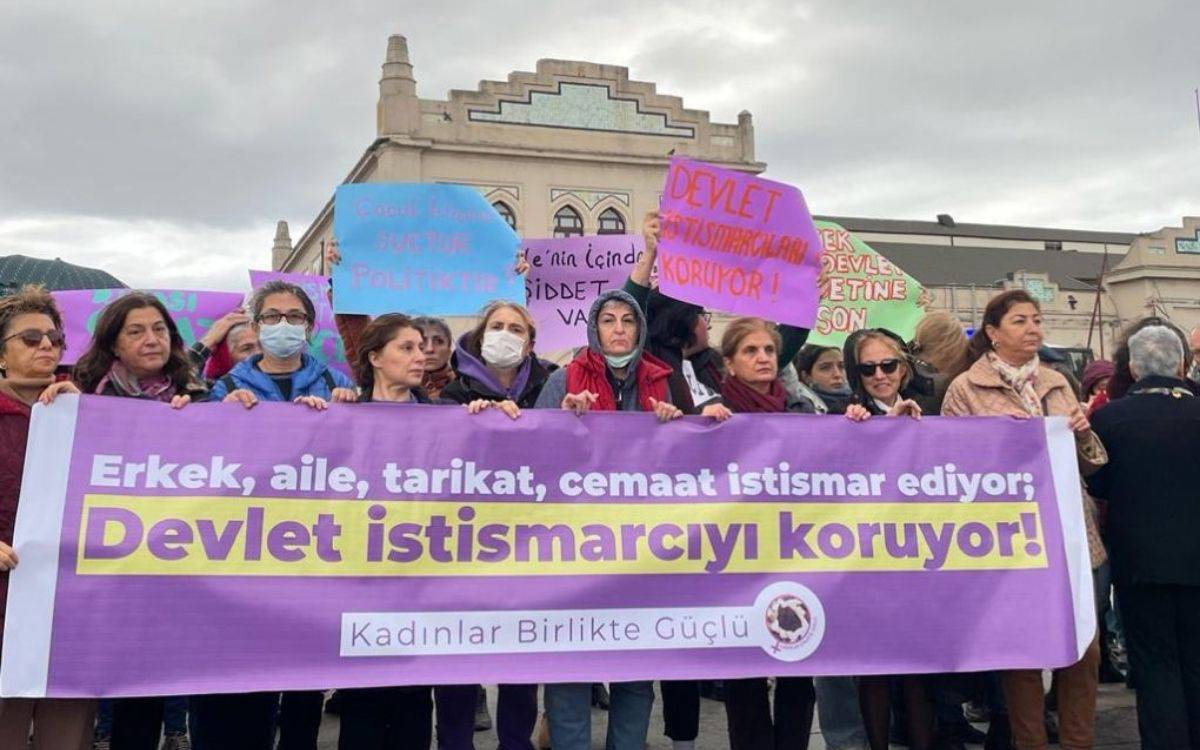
[794, 620]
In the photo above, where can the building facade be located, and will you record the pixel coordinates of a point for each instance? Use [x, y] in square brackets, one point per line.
[578, 148]
[572, 148]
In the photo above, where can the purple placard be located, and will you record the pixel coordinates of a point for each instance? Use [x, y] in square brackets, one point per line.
[194, 313]
[566, 274]
[325, 343]
[737, 243]
[280, 560]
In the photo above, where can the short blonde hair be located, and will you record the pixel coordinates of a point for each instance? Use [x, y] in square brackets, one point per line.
[890, 343]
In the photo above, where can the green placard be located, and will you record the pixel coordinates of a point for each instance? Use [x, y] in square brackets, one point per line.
[863, 289]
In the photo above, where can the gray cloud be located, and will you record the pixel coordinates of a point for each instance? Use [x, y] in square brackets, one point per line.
[209, 121]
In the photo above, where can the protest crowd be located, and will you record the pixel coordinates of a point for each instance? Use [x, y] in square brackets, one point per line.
[1136, 420]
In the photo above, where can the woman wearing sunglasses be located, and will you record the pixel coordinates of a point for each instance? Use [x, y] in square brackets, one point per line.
[878, 369]
[31, 345]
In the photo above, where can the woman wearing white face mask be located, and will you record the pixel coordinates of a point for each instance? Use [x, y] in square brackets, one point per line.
[283, 317]
[495, 363]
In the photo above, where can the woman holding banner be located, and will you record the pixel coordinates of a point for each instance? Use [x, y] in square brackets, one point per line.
[612, 373]
[495, 361]
[137, 352]
[283, 318]
[31, 346]
[1007, 379]
[879, 370]
[390, 367]
[750, 351]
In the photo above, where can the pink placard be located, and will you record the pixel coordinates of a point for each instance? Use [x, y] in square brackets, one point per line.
[737, 243]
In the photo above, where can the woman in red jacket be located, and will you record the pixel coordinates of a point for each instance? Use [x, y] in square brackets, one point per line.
[31, 345]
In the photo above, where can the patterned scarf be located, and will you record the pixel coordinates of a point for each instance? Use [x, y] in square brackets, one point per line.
[1022, 380]
[159, 388]
[433, 382]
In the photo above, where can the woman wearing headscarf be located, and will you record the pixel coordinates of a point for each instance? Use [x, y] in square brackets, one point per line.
[137, 352]
[31, 346]
[750, 349]
[1007, 379]
[612, 373]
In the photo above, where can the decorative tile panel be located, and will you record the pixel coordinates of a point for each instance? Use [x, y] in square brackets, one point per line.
[582, 107]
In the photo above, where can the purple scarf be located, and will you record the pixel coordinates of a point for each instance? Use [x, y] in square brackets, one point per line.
[158, 388]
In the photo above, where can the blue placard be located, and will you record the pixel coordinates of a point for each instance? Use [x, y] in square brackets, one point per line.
[421, 248]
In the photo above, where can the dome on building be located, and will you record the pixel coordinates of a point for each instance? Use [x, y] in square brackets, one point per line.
[18, 270]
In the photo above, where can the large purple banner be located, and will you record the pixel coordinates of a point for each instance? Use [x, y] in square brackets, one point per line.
[216, 549]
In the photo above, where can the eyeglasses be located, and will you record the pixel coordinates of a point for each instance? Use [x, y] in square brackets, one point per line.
[33, 337]
[867, 369]
[295, 318]
[706, 316]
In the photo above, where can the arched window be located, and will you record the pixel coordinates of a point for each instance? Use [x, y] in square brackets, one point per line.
[611, 222]
[567, 222]
[506, 213]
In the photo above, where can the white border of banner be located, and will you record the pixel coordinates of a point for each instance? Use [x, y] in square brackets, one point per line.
[28, 628]
[1064, 465]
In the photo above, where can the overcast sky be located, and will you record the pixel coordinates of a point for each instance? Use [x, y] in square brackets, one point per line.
[162, 141]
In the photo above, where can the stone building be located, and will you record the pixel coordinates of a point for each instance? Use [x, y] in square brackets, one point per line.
[579, 148]
[572, 148]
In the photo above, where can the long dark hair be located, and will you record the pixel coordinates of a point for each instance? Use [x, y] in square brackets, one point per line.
[997, 308]
[95, 363]
[672, 322]
[374, 337]
[1122, 377]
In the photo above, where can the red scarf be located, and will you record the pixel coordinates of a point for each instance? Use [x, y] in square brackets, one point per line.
[589, 372]
[742, 398]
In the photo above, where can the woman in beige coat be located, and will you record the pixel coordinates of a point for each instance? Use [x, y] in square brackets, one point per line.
[1007, 379]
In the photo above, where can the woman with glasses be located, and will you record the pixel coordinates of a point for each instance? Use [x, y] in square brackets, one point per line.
[31, 346]
[283, 318]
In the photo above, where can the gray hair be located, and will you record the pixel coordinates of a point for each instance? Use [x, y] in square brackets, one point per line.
[1155, 350]
[277, 286]
[236, 331]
